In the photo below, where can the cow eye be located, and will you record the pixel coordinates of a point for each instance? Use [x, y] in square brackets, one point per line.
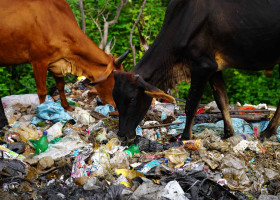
[132, 100]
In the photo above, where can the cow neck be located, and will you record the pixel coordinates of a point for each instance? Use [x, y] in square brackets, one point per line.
[156, 63]
[89, 60]
[156, 66]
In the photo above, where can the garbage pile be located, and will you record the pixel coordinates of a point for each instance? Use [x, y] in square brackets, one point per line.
[47, 153]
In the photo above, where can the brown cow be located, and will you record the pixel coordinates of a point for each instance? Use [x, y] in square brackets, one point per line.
[46, 34]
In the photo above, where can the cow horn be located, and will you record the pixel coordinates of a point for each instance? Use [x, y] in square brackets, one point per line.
[120, 59]
[108, 47]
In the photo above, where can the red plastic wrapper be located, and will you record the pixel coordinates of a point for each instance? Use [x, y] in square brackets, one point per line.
[192, 144]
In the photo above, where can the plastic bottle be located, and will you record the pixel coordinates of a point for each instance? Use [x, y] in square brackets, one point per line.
[42, 144]
[132, 149]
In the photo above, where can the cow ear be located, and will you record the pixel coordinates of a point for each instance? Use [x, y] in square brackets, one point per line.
[160, 95]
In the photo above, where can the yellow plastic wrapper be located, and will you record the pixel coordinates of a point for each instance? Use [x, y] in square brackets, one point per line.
[113, 142]
[129, 174]
[81, 77]
[192, 144]
[126, 184]
[180, 165]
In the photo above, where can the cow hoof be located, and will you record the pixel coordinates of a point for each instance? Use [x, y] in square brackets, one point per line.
[266, 134]
[3, 124]
[69, 108]
[115, 113]
[185, 138]
[226, 136]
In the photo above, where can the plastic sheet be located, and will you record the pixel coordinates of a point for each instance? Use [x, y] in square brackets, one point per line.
[196, 184]
[82, 116]
[240, 126]
[120, 160]
[179, 127]
[63, 147]
[18, 147]
[92, 184]
[147, 190]
[12, 115]
[55, 131]
[173, 191]
[51, 111]
[167, 108]
[105, 110]
[24, 99]
[27, 132]
[177, 155]
[12, 168]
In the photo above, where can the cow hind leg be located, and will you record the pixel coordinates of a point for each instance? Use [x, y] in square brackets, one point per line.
[3, 119]
[201, 71]
[60, 86]
[219, 90]
[272, 126]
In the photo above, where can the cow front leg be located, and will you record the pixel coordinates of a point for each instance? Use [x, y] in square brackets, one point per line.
[40, 75]
[200, 74]
[272, 126]
[60, 86]
[219, 90]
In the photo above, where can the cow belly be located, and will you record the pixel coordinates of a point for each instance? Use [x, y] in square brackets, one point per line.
[12, 57]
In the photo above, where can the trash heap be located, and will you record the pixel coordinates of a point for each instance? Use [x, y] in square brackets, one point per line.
[47, 153]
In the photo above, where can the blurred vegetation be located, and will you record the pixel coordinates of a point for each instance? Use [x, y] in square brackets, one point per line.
[242, 86]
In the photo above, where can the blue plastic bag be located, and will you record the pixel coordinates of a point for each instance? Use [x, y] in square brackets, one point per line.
[105, 110]
[50, 111]
[179, 127]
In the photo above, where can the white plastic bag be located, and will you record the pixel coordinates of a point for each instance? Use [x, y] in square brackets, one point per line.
[24, 99]
[55, 131]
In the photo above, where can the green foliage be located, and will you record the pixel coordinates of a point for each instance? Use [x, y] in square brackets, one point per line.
[19, 80]
[151, 22]
[253, 86]
[183, 91]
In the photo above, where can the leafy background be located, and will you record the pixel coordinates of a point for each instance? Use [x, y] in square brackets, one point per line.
[242, 86]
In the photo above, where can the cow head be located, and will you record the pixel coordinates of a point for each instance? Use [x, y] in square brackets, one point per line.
[105, 83]
[133, 97]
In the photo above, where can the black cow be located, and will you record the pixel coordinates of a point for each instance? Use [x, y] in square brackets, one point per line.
[199, 38]
[3, 119]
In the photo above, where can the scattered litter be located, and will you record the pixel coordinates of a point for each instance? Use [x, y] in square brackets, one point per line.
[81, 157]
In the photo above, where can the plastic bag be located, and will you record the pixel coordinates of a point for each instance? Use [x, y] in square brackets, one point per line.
[26, 132]
[173, 191]
[12, 168]
[63, 147]
[55, 131]
[177, 155]
[24, 99]
[120, 160]
[51, 111]
[105, 110]
[229, 161]
[179, 127]
[82, 116]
